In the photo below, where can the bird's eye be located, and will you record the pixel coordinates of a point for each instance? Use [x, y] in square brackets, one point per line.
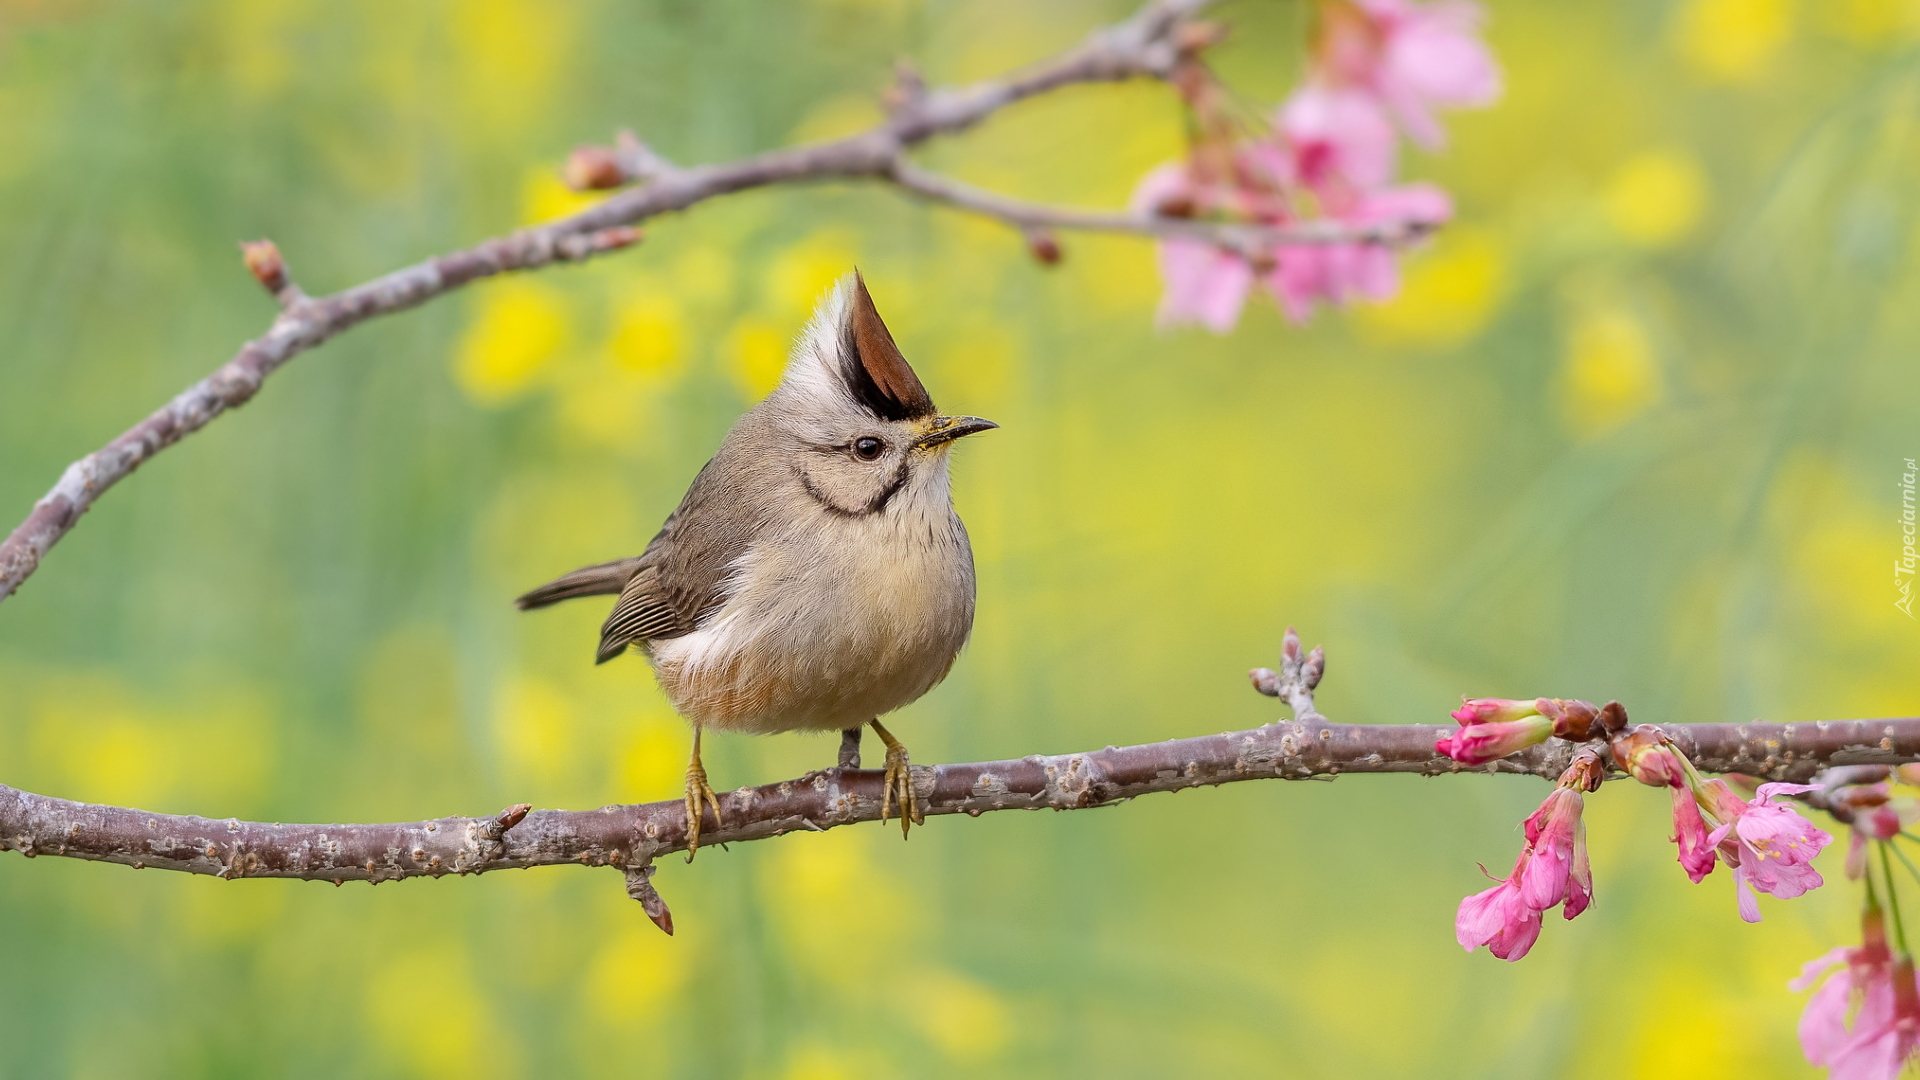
[867, 447]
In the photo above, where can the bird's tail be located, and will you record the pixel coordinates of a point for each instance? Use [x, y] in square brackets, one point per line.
[602, 579]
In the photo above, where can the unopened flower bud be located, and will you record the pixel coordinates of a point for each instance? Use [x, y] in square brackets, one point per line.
[1587, 771]
[1265, 680]
[265, 264]
[1572, 718]
[1315, 666]
[1477, 744]
[1649, 756]
[1493, 710]
[593, 168]
[1043, 246]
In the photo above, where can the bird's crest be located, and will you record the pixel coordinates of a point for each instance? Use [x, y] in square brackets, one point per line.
[848, 351]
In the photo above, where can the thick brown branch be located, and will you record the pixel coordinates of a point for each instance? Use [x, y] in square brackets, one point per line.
[631, 837]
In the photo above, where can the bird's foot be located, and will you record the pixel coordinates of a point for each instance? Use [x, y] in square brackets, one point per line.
[897, 787]
[697, 792]
[850, 748]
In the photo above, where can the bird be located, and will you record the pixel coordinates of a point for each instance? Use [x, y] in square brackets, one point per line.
[815, 576]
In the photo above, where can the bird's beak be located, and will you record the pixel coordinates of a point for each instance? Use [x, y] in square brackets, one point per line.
[945, 429]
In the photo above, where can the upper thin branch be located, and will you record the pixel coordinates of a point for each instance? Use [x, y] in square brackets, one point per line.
[1149, 44]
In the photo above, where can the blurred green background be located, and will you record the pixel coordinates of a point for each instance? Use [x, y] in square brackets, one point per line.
[1633, 430]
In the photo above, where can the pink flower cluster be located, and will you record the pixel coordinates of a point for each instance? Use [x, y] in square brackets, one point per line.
[1768, 846]
[1331, 155]
[1885, 1031]
[1552, 869]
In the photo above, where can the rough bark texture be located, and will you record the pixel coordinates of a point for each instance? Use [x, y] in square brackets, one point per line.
[631, 836]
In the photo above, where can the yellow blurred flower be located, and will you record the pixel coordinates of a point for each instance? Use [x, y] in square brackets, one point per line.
[633, 974]
[1870, 23]
[508, 55]
[520, 328]
[544, 197]
[1448, 293]
[810, 890]
[971, 1023]
[424, 1010]
[534, 728]
[1610, 373]
[1733, 40]
[755, 353]
[649, 334]
[655, 761]
[798, 277]
[1656, 198]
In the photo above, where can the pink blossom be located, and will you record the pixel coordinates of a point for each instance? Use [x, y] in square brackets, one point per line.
[1555, 858]
[1885, 1032]
[1823, 1024]
[1499, 919]
[1477, 744]
[1769, 847]
[1866, 971]
[1690, 834]
[1412, 57]
[1307, 274]
[1205, 284]
[1493, 710]
[1338, 144]
[1552, 869]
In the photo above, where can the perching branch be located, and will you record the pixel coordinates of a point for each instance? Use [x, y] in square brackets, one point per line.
[1148, 45]
[632, 837]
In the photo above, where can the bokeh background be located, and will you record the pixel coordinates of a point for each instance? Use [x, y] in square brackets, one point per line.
[1633, 430]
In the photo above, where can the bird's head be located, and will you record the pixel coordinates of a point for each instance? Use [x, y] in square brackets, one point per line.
[864, 428]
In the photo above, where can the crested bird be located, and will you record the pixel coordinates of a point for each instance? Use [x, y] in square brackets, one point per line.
[815, 576]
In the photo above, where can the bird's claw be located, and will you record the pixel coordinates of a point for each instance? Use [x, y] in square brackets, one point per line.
[897, 786]
[697, 792]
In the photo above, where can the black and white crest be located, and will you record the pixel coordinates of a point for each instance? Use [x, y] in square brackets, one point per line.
[848, 351]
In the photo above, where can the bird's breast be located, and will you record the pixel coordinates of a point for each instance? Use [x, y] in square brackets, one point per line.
[828, 623]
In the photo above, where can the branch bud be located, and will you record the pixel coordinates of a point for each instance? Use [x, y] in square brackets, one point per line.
[593, 168]
[1043, 246]
[908, 86]
[1315, 667]
[265, 264]
[1194, 36]
[1572, 718]
[1265, 680]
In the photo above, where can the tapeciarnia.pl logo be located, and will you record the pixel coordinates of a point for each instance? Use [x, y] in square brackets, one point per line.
[1903, 566]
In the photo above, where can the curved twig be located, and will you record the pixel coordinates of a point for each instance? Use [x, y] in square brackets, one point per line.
[1146, 45]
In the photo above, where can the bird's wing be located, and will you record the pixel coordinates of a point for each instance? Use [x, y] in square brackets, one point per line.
[643, 612]
[684, 569]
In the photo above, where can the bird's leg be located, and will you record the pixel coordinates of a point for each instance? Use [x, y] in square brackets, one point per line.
[850, 748]
[698, 790]
[898, 784]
